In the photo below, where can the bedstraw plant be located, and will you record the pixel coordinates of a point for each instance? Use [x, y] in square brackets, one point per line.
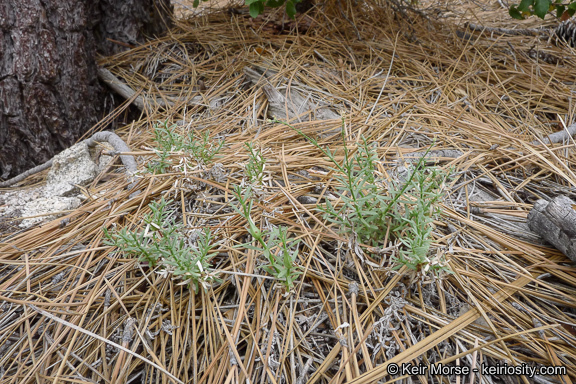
[368, 205]
[254, 168]
[163, 244]
[170, 141]
[280, 251]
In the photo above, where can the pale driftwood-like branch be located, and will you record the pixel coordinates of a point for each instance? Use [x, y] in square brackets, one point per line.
[22, 176]
[558, 136]
[106, 136]
[555, 222]
[447, 153]
[140, 102]
[506, 31]
[120, 88]
[287, 104]
[119, 145]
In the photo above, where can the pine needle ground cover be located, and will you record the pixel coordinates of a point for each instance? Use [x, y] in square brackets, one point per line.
[316, 202]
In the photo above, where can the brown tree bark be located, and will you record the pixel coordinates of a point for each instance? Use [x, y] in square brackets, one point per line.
[49, 89]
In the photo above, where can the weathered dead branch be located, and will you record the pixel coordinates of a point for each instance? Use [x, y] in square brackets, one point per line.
[555, 221]
[110, 137]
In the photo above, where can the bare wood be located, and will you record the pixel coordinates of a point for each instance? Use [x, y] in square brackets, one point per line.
[285, 105]
[24, 175]
[128, 93]
[441, 153]
[507, 31]
[555, 222]
[558, 136]
[118, 144]
[120, 88]
[106, 136]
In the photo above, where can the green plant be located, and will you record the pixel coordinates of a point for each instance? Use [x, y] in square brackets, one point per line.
[280, 252]
[163, 244]
[409, 207]
[169, 141]
[564, 9]
[363, 208]
[203, 149]
[160, 166]
[257, 6]
[412, 216]
[191, 264]
[254, 168]
[282, 260]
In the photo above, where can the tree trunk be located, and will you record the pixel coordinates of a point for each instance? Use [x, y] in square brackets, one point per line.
[49, 89]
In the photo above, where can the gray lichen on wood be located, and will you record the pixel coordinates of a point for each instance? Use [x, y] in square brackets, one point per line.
[557, 137]
[106, 136]
[555, 222]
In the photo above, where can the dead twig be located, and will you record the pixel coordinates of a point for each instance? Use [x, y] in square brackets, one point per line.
[507, 31]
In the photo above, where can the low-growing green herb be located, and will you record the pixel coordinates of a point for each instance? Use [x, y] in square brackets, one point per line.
[170, 142]
[280, 251]
[163, 244]
[368, 207]
[254, 168]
